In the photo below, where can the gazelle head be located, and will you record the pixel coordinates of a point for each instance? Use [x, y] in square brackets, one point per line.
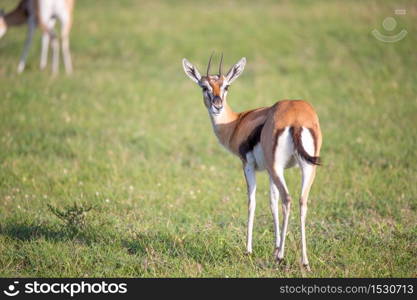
[3, 25]
[214, 87]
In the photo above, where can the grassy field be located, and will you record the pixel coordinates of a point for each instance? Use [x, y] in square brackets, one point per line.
[129, 137]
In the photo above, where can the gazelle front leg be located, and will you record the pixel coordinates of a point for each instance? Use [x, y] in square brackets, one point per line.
[249, 170]
[274, 196]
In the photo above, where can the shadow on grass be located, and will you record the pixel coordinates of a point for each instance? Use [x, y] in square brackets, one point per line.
[31, 232]
[196, 247]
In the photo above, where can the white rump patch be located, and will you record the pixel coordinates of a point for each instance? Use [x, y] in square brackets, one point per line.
[307, 141]
[284, 152]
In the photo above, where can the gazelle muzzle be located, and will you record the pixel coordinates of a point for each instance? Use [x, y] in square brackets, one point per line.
[217, 102]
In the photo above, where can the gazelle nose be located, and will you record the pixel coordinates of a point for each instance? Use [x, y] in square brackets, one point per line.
[217, 102]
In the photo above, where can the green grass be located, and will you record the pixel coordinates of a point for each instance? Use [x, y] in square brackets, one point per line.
[128, 134]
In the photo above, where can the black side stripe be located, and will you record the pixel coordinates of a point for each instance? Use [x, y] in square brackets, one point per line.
[242, 116]
[252, 140]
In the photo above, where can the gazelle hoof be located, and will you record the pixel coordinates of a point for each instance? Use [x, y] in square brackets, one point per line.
[279, 260]
[20, 68]
[307, 267]
[276, 251]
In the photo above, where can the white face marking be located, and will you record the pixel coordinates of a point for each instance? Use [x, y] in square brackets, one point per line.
[215, 112]
[206, 88]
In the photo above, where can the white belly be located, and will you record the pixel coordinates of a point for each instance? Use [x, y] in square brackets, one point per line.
[258, 154]
[256, 157]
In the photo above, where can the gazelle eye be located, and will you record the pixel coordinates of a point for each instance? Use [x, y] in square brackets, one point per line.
[205, 89]
[226, 88]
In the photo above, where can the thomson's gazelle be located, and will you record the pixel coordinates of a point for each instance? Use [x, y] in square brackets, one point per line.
[274, 138]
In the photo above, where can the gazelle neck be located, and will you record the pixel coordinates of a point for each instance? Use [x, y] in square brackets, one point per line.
[224, 123]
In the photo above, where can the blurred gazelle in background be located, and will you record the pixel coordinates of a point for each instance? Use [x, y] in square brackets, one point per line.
[43, 13]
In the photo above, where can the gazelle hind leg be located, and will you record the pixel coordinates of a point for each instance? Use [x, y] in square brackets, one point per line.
[279, 180]
[308, 172]
[283, 153]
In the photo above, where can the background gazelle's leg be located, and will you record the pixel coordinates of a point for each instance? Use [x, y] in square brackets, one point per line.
[55, 54]
[66, 54]
[28, 43]
[250, 176]
[46, 37]
[44, 51]
[274, 196]
[65, 32]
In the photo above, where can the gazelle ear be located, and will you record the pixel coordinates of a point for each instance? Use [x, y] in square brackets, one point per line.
[236, 70]
[191, 71]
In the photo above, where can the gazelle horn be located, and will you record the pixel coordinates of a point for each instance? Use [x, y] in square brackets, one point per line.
[220, 66]
[209, 64]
